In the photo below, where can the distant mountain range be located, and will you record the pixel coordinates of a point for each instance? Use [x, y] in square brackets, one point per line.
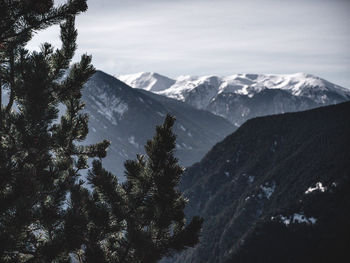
[276, 190]
[240, 97]
[128, 117]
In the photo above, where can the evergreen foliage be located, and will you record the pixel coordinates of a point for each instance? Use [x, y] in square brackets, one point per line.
[46, 214]
[142, 219]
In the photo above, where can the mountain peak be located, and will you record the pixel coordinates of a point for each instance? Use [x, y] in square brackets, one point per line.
[127, 118]
[298, 84]
[234, 96]
[150, 81]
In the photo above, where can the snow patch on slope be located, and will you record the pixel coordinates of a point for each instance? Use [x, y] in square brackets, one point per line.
[111, 107]
[132, 141]
[318, 187]
[296, 218]
[268, 189]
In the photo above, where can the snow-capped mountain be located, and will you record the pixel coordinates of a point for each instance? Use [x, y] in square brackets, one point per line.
[148, 81]
[242, 96]
[127, 117]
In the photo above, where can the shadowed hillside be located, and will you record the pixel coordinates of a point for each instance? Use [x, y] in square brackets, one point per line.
[276, 190]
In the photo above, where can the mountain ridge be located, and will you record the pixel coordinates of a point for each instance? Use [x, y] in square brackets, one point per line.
[234, 97]
[284, 175]
[236, 83]
[128, 117]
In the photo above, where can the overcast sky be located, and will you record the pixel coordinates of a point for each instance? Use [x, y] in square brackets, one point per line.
[221, 37]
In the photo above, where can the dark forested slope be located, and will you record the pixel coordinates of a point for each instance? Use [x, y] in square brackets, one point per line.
[276, 190]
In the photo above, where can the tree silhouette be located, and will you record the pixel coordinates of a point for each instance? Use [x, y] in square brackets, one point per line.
[46, 214]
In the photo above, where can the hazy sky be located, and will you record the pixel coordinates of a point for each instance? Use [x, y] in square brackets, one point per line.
[222, 37]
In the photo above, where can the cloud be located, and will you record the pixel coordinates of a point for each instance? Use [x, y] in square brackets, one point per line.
[217, 37]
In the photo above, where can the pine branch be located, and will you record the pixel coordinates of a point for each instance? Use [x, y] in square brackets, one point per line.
[12, 82]
[126, 253]
[57, 15]
[1, 102]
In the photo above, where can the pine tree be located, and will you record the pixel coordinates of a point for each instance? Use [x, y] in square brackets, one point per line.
[46, 214]
[40, 160]
[142, 219]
